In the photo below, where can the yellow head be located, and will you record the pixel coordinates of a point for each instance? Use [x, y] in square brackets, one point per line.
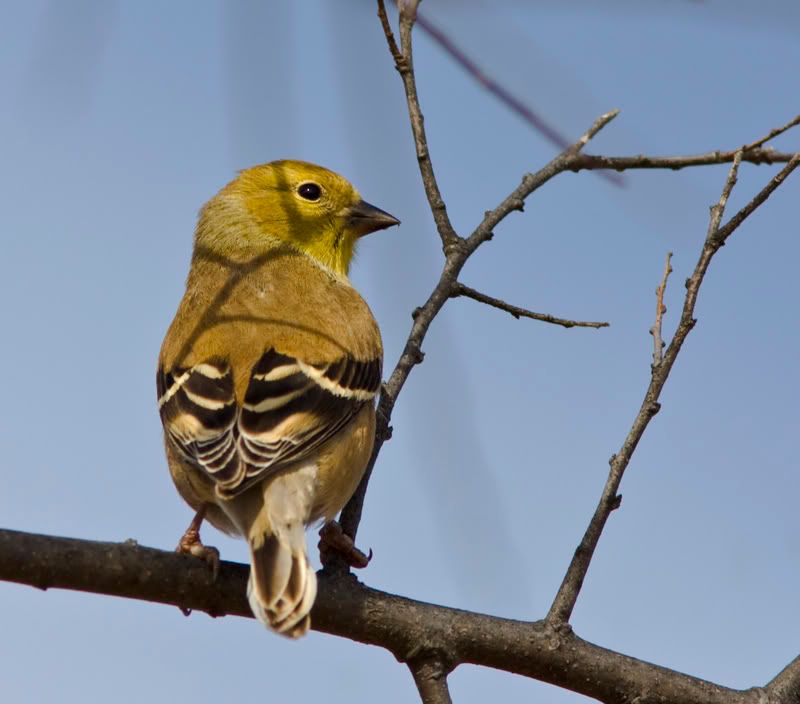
[293, 202]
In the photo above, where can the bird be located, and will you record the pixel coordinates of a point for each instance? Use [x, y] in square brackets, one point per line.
[268, 376]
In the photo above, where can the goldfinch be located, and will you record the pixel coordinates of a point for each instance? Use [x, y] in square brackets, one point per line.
[268, 375]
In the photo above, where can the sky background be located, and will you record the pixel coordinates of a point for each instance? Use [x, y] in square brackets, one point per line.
[120, 118]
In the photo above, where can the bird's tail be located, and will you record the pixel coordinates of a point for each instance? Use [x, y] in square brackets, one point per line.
[282, 585]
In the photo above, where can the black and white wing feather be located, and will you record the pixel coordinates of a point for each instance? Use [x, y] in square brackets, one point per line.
[290, 408]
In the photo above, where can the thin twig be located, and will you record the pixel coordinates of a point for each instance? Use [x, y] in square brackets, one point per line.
[589, 162]
[387, 30]
[655, 331]
[457, 249]
[564, 602]
[531, 182]
[461, 290]
[404, 63]
[718, 209]
[728, 228]
[772, 134]
[598, 125]
[455, 258]
[430, 676]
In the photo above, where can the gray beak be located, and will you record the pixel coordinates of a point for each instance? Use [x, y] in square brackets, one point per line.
[364, 218]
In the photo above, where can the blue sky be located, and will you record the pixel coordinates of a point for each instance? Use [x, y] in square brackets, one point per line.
[121, 118]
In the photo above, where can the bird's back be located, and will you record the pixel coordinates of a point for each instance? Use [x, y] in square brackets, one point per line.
[279, 299]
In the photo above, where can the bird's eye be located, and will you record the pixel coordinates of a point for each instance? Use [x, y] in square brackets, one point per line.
[309, 191]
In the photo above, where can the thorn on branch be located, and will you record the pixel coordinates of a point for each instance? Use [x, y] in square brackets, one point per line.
[615, 502]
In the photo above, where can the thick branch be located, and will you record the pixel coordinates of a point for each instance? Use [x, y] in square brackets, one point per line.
[461, 290]
[409, 629]
[786, 686]
[564, 602]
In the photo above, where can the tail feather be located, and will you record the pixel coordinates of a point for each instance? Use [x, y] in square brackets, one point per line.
[272, 565]
[282, 584]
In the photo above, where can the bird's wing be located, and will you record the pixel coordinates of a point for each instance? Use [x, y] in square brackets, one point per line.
[290, 408]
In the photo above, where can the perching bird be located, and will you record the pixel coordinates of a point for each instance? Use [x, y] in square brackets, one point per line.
[268, 375]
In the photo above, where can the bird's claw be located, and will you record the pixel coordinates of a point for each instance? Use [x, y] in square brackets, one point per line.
[332, 539]
[190, 544]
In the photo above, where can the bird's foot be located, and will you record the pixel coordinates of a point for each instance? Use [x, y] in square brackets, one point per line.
[190, 544]
[334, 541]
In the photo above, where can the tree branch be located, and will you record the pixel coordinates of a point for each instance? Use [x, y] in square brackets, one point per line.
[564, 602]
[410, 630]
[533, 181]
[455, 258]
[655, 331]
[461, 290]
[786, 686]
[771, 135]
[458, 249]
[404, 63]
[433, 639]
[729, 227]
[590, 162]
[430, 676]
